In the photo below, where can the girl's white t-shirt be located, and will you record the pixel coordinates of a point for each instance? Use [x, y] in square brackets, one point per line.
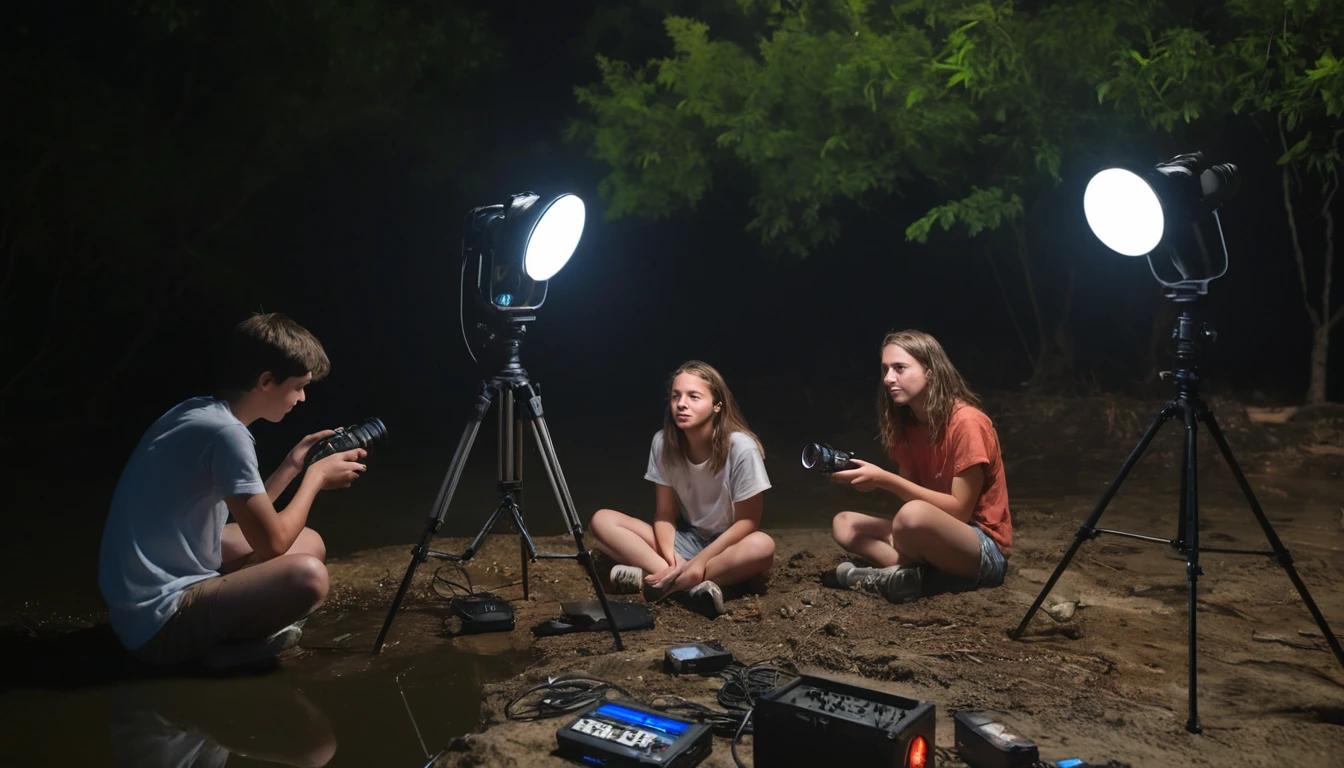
[705, 499]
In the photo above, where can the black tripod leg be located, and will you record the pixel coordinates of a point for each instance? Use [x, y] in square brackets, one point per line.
[1088, 529]
[561, 489]
[445, 497]
[1189, 539]
[1280, 552]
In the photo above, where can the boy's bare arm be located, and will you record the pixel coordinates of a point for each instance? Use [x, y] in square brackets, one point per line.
[271, 533]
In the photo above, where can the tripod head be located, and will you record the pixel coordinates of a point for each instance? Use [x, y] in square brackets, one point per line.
[1188, 331]
[503, 347]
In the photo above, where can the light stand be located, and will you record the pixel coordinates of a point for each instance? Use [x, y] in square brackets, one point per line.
[515, 393]
[1192, 411]
[516, 248]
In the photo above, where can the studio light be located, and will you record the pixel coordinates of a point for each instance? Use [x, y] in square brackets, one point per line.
[518, 246]
[514, 248]
[1135, 212]
[1158, 214]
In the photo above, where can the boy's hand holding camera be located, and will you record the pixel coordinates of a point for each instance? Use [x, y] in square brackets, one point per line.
[338, 470]
[297, 456]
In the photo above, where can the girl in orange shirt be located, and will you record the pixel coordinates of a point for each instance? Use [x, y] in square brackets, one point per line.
[954, 527]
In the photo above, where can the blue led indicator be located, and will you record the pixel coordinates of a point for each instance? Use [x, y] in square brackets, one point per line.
[636, 717]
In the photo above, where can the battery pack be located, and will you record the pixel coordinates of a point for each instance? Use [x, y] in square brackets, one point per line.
[984, 740]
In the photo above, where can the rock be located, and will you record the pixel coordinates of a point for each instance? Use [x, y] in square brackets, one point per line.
[1062, 611]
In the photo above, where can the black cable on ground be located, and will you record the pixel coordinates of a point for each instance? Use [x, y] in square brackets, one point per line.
[560, 696]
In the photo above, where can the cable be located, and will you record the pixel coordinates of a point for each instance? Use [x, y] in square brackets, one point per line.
[732, 748]
[560, 696]
[743, 683]
[461, 304]
[453, 586]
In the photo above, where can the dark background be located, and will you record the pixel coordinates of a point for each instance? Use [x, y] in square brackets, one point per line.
[359, 239]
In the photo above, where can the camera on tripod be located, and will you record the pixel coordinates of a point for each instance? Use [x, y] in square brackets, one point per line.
[361, 435]
[823, 458]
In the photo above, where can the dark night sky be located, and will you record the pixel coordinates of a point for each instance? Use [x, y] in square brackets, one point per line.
[362, 249]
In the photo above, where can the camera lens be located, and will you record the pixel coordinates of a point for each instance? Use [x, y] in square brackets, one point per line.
[813, 453]
[362, 435]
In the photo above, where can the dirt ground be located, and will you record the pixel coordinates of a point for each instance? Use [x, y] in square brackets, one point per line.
[1102, 676]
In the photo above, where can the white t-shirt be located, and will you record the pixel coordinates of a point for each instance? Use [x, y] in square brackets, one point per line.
[168, 513]
[704, 499]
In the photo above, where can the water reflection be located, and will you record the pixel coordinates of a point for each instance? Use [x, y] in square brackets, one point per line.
[192, 723]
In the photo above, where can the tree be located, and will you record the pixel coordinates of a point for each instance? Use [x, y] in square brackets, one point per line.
[1273, 63]
[1030, 78]
[149, 130]
[836, 105]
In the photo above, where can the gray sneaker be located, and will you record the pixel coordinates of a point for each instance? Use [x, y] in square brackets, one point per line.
[626, 579]
[899, 583]
[708, 595]
[846, 576]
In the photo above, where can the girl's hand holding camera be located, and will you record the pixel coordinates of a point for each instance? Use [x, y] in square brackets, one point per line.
[864, 478]
[339, 470]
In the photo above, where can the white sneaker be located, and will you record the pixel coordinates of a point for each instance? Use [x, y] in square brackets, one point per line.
[238, 654]
[708, 594]
[626, 579]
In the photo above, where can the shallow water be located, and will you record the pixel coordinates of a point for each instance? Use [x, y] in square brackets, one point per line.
[351, 710]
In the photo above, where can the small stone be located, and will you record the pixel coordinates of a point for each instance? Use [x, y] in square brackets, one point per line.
[1062, 611]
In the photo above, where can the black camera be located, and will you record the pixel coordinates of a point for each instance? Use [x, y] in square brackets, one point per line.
[360, 435]
[824, 458]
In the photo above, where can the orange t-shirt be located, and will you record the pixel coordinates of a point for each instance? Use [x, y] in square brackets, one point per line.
[969, 440]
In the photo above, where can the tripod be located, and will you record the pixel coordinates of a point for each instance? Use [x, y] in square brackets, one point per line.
[511, 386]
[1192, 410]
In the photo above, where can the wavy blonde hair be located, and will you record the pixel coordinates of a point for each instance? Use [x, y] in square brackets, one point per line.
[945, 389]
[727, 420]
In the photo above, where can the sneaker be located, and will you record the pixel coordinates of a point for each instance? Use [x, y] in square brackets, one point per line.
[708, 595]
[847, 575]
[899, 583]
[250, 652]
[626, 579]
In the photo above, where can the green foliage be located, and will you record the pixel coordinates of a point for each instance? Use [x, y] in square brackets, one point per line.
[845, 102]
[827, 108]
[983, 209]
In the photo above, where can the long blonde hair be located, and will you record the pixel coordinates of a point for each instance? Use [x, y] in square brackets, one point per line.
[727, 420]
[945, 389]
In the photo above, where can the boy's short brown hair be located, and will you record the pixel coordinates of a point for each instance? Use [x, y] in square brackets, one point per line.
[268, 342]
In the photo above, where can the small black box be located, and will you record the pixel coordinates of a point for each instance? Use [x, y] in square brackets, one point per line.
[816, 721]
[482, 612]
[984, 740]
[696, 659]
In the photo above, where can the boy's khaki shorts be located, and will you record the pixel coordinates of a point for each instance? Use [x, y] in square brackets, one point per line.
[189, 632]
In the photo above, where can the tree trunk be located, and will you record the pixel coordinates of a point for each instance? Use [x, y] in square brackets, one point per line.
[1038, 373]
[1008, 307]
[1320, 356]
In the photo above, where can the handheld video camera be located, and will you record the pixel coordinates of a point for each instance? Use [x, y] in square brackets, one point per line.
[823, 458]
[362, 435]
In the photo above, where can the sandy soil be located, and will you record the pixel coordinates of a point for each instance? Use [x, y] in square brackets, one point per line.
[1103, 676]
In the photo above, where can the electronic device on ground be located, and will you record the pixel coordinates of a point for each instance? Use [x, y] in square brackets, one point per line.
[482, 612]
[984, 740]
[816, 721]
[696, 659]
[623, 734]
